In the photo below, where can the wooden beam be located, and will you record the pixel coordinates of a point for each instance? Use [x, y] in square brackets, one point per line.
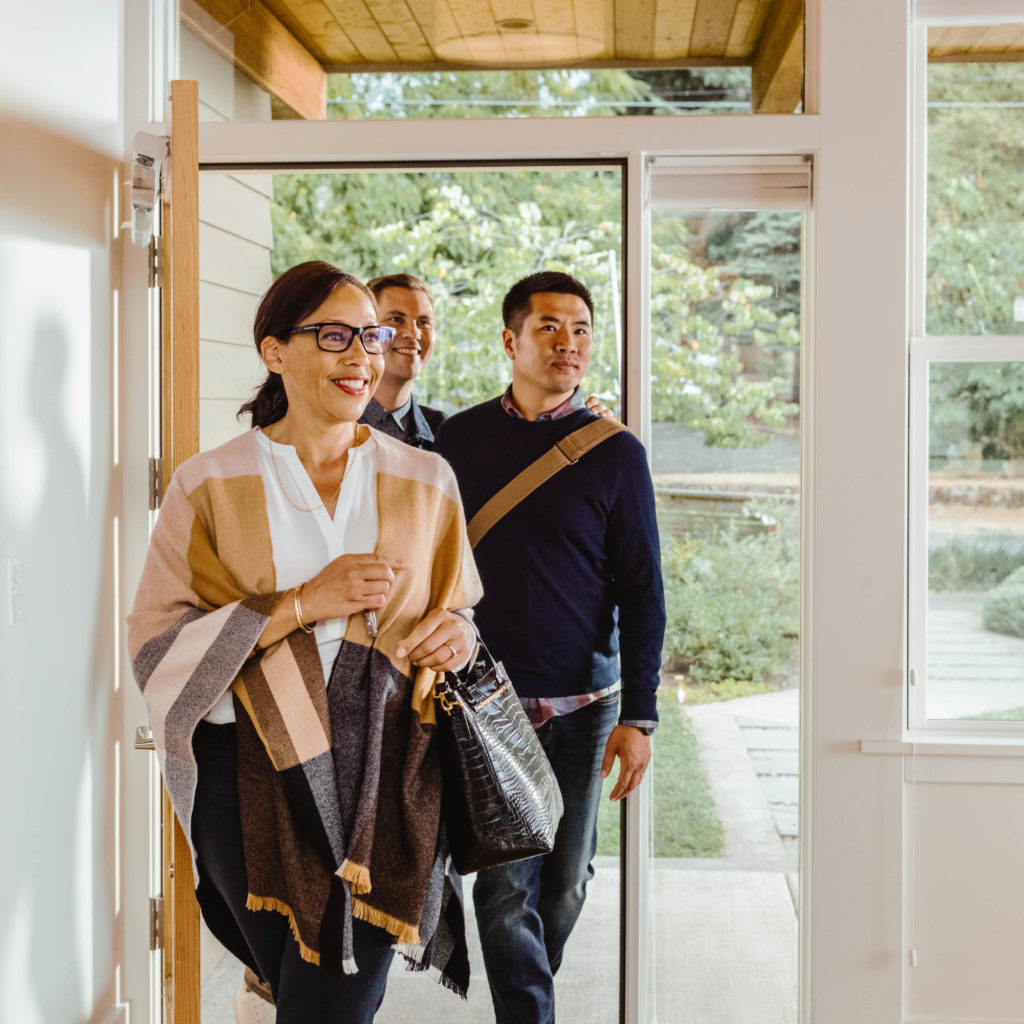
[1006, 57]
[777, 67]
[246, 33]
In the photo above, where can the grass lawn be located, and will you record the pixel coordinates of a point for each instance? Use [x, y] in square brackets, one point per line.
[1009, 715]
[684, 819]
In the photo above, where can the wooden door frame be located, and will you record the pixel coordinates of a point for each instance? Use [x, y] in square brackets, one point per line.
[180, 440]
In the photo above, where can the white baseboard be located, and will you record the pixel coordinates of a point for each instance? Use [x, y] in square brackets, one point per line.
[963, 1020]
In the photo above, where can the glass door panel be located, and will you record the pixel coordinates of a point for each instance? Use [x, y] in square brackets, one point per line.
[725, 397]
[469, 234]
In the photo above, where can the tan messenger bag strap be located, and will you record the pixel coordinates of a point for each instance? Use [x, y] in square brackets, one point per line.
[566, 452]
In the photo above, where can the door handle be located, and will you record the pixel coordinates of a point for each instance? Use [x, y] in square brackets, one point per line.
[144, 738]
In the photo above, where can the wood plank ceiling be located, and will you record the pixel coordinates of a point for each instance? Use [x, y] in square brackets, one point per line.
[289, 46]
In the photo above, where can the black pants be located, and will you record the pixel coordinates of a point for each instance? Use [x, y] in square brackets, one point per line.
[303, 992]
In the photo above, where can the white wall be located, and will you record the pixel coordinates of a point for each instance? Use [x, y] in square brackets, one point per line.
[61, 935]
[965, 899]
[857, 503]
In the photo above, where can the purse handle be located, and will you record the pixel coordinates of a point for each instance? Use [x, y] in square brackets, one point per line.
[566, 452]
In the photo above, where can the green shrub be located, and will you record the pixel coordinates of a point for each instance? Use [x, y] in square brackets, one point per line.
[1003, 611]
[965, 566]
[733, 605]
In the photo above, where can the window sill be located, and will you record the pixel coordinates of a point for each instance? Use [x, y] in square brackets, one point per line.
[948, 746]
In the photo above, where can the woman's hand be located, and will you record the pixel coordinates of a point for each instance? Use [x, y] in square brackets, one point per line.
[594, 404]
[349, 584]
[442, 641]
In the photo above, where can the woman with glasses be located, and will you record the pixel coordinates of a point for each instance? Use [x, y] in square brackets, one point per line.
[298, 602]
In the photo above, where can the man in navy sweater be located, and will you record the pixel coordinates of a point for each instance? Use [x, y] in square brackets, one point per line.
[573, 605]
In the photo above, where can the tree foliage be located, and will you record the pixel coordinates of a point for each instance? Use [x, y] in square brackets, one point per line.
[975, 253]
[470, 234]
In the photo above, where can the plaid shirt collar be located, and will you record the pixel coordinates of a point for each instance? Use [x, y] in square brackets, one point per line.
[570, 405]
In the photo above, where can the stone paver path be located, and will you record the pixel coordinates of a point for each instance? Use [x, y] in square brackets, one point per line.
[970, 671]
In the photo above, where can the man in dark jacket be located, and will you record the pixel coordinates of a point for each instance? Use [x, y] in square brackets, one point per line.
[404, 303]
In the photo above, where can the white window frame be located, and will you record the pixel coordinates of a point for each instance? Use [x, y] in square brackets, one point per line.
[923, 350]
[292, 144]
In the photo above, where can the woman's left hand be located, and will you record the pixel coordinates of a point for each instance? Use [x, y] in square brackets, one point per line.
[442, 641]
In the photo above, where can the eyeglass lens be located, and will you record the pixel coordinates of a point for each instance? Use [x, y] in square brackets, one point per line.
[338, 337]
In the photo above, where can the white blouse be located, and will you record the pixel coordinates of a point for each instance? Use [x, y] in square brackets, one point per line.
[305, 541]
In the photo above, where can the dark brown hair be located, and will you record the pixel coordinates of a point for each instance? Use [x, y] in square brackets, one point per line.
[291, 298]
[517, 304]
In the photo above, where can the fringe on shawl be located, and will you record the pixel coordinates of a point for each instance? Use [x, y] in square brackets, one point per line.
[413, 956]
[254, 902]
[405, 934]
[357, 876]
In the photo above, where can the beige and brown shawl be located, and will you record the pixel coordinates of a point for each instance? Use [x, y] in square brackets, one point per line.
[339, 784]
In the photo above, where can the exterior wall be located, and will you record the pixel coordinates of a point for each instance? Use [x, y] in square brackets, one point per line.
[62, 943]
[235, 239]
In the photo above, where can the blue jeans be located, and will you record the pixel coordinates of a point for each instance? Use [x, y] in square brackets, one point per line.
[525, 911]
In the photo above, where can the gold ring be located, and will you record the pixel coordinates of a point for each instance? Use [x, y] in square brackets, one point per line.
[454, 650]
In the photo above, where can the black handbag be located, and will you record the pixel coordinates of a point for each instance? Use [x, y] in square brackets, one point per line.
[500, 798]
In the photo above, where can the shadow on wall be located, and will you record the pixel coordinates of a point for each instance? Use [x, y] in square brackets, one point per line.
[58, 941]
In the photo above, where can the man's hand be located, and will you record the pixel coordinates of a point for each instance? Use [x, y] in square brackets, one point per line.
[633, 749]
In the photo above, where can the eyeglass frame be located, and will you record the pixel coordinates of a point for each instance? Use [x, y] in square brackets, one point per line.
[357, 332]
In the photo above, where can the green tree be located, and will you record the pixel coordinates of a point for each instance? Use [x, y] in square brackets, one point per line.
[701, 315]
[975, 252]
[469, 235]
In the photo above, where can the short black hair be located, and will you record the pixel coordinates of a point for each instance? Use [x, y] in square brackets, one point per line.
[516, 306]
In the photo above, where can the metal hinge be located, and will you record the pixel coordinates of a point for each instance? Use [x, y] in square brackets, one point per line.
[156, 483]
[156, 923]
[156, 264]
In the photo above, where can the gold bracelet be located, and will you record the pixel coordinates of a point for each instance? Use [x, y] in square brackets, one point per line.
[298, 610]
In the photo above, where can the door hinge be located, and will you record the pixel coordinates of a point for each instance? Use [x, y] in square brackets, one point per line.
[156, 923]
[156, 483]
[156, 263]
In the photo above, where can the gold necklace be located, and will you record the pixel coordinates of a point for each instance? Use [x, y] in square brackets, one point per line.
[284, 491]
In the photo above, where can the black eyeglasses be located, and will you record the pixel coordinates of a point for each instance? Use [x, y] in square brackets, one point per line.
[337, 337]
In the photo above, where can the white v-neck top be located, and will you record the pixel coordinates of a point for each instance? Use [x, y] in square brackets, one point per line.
[303, 541]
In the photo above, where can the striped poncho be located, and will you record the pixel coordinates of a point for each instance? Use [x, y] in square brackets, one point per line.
[339, 785]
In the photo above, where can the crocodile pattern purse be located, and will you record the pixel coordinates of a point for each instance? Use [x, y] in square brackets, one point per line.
[500, 798]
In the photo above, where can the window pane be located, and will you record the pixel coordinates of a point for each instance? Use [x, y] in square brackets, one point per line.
[975, 273]
[725, 393]
[553, 93]
[975, 635]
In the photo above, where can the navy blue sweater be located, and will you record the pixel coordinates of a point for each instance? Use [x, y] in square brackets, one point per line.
[580, 552]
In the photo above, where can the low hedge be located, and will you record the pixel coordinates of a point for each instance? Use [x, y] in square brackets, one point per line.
[1003, 611]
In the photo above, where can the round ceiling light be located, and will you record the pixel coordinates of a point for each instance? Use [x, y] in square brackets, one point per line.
[518, 41]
